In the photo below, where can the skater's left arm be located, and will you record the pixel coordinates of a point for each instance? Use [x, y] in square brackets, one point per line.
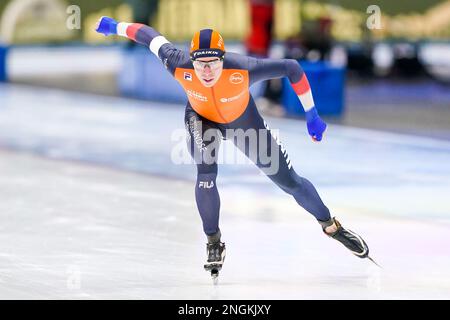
[264, 69]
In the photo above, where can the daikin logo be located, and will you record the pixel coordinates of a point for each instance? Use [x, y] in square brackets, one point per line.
[205, 53]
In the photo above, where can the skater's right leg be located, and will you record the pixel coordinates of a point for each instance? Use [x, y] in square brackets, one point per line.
[208, 203]
[203, 143]
[208, 200]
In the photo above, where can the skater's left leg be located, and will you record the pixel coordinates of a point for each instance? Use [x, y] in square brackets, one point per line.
[279, 170]
[252, 136]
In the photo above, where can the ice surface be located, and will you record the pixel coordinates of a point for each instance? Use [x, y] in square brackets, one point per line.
[91, 206]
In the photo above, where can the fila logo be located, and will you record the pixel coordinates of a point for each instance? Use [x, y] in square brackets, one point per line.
[206, 184]
[236, 78]
[188, 76]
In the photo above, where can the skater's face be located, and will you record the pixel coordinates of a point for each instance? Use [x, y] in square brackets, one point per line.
[208, 70]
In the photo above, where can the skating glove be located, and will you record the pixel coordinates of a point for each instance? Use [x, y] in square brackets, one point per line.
[107, 26]
[316, 126]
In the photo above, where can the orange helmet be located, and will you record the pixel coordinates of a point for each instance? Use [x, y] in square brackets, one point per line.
[207, 43]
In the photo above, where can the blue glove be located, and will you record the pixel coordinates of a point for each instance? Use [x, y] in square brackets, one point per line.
[107, 26]
[315, 125]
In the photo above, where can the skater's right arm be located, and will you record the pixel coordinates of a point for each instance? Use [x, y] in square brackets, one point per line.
[146, 36]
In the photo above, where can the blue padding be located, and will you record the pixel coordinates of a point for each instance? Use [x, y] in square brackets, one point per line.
[144, 76]
[327, 85]
[3, 52]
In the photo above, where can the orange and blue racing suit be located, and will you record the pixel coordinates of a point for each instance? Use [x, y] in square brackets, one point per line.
[224, 109]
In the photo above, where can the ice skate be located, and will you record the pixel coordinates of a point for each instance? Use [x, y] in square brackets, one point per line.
[216, 257]
[349, 239]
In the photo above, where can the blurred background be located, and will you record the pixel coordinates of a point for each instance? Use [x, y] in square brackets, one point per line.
[374, 64]
[93, 205]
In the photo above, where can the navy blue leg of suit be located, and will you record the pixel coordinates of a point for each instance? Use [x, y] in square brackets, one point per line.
[278, 168]
[284, 176]
[204, 154]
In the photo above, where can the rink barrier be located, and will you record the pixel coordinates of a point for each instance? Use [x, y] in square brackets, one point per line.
[328, 87]
[3, 71]
[143, 76]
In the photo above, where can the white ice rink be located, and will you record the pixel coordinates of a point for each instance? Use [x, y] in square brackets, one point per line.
[91, 206]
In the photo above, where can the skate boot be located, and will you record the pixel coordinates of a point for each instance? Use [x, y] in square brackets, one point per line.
[348, 238]
[216, 257]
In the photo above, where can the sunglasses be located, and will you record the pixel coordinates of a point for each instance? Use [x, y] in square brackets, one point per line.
[202, 64]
